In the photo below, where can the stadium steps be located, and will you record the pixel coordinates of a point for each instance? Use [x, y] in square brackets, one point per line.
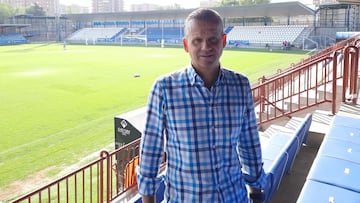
[274, 129]
[298, 42]
[321, 114]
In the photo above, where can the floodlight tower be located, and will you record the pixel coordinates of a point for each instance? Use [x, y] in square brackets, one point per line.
[57, 20]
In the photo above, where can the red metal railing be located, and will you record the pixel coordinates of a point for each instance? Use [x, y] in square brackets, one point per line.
[102, 180]
[296, 90]
[301, 86]
[309, 83]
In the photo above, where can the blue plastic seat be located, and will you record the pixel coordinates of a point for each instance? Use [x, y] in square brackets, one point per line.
[337, 172]
[314, 191]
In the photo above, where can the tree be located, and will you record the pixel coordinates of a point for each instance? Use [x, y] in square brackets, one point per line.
[36, 10]
[229, 3]
[253, 2]
[6, 10]
[263, 20]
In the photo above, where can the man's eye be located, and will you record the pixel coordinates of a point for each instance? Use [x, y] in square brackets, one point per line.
[213, 40]
[197, 41]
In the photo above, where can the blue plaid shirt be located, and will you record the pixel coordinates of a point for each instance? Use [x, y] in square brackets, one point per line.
[210, 135]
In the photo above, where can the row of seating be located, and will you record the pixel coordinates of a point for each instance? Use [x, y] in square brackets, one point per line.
[153, 34]
[92, 34]
[237, 35]
[8, 39]
[278, 152]
[265, 34]
[334, 175]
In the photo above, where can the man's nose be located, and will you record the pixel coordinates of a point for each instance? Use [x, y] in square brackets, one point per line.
[206, 45]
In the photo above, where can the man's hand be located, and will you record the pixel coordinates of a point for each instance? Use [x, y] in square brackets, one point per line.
[148, 199]
[257, 194]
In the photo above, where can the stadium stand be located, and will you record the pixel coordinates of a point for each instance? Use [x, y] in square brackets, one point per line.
[9, 39]
[280, 144]
[334, 174]
[238, 36]
[169, 35]
[261, 35]
[93, 35]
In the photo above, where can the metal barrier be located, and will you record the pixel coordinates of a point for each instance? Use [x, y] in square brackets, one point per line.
[98, 181]
[279, 95]
[306, 84]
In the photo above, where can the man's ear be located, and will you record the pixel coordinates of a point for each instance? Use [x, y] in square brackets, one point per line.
[185, 45]
[224, 40]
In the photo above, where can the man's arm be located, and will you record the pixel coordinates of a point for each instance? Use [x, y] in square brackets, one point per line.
[250, 153]
[151, 147]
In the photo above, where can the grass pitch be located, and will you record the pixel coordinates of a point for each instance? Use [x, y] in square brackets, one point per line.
[58, 105]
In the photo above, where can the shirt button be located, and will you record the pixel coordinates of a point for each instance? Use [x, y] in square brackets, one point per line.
[214, 146]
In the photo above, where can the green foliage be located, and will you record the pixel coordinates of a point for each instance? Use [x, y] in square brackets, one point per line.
[6, 10]
[242, 2]
[254, 2]
[229, 3]
[57, 106]
[35, 10]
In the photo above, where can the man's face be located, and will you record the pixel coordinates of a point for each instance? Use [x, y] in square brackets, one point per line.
[204, 42]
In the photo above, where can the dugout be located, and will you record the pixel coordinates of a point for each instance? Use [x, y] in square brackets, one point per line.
[12, 34]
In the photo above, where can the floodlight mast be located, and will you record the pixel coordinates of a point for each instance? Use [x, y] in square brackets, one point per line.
[57, 20]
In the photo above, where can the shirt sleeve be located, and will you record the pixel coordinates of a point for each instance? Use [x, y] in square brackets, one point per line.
[152, 144]
[249, 147]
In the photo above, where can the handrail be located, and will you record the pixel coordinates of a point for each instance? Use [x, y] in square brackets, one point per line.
[325, 52]
[304, 85]
[279, 95]
[101, 180]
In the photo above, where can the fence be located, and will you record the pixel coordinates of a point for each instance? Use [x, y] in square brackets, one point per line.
[309, 82]
[98, 181]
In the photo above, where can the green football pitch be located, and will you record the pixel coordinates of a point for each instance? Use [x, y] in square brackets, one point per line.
[58, 106]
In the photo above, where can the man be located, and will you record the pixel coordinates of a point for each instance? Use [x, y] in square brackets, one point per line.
[205, 116]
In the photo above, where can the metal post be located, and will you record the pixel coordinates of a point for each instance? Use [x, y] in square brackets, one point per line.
[105, 156]
[345, 74]
[354, 73]
[351, 58]
[334, 85]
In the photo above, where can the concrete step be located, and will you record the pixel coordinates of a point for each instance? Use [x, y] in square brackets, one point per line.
[321, 121]
[274, 129]
[294, 123]
[349, 109]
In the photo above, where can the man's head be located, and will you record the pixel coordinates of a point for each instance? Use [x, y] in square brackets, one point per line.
[204, 38]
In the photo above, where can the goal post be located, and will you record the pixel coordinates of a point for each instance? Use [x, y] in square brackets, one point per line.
[133, 39]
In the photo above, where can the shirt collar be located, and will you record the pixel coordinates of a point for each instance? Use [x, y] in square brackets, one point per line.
[195, 78]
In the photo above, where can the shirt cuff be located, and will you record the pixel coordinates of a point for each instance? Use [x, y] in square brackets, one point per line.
[147, 186]
[256, 182]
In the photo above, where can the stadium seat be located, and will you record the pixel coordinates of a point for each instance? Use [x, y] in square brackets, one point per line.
[314, 191]
[274, 170]
[265, 34]
[346, 121]
[344, 133]
[337, 172]
[334, 175]
[340, 149]
[130, 172]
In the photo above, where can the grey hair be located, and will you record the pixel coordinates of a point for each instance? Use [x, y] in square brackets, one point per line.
[203, 14]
